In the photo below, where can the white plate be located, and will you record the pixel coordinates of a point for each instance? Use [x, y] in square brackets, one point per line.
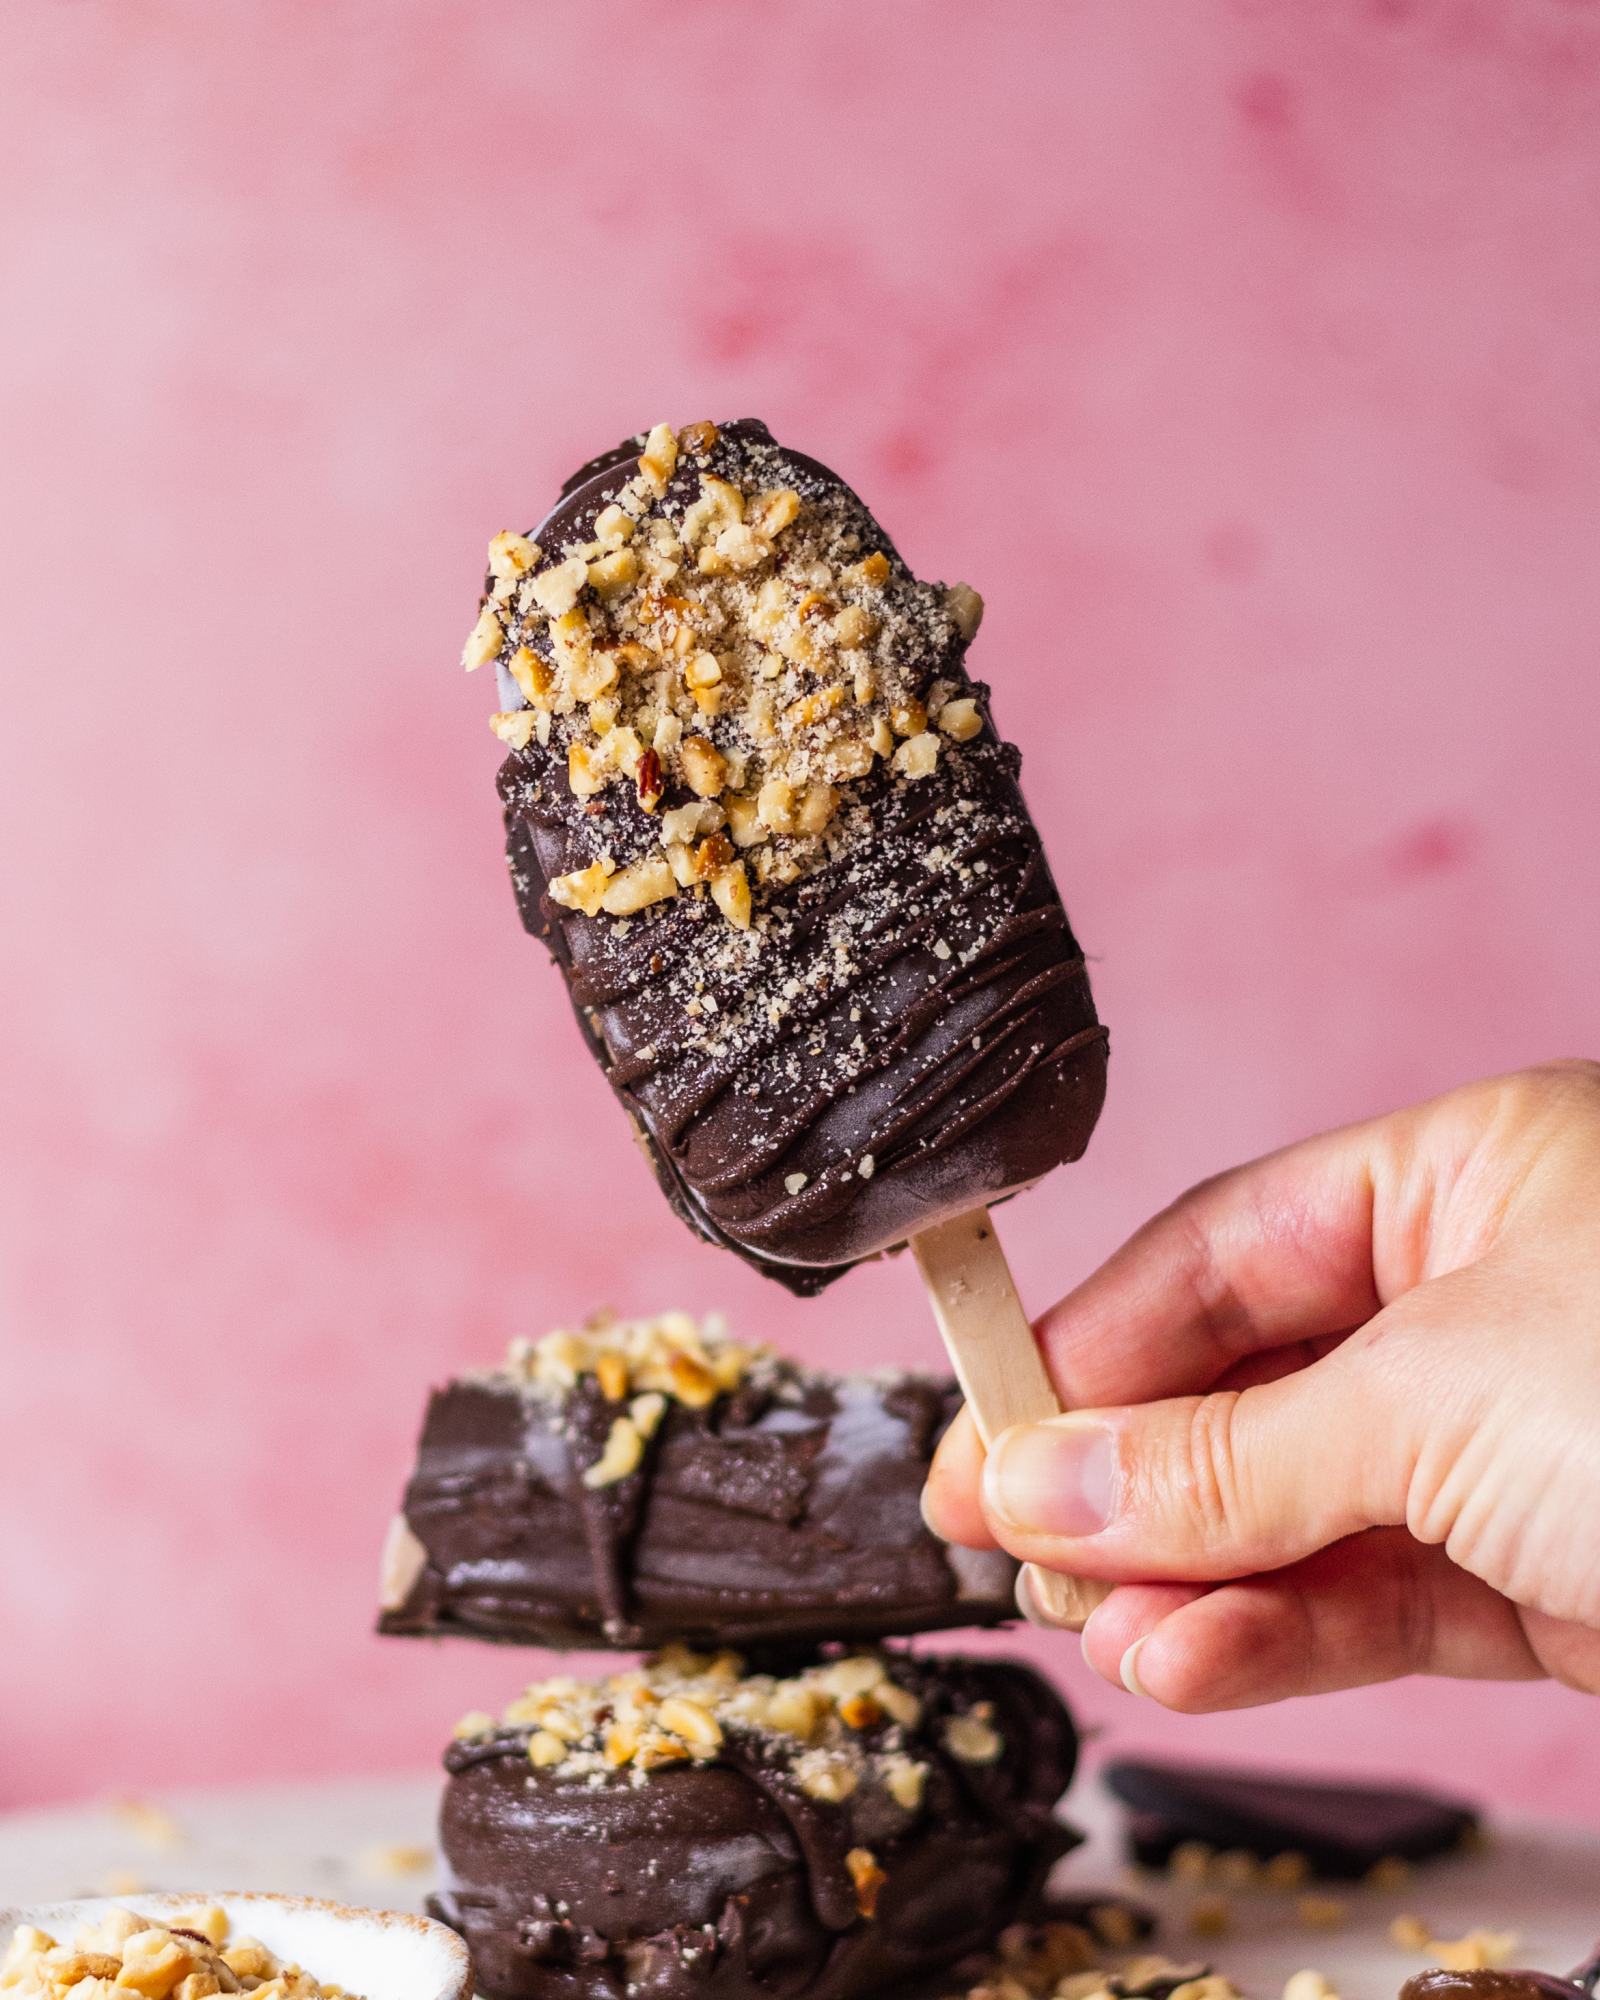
[348, 1841]
[378, 1953]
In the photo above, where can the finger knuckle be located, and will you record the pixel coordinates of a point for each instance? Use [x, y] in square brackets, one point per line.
[1209, 1473]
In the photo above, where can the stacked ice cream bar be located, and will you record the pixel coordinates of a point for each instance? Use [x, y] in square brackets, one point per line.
[813, 1813]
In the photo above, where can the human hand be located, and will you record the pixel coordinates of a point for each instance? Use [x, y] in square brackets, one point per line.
[1336, 1414]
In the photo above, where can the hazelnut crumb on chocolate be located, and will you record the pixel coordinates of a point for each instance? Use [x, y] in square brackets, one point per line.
[1062, 1961]
[670, 1356]
[835, 1727]
[126, 1956]
[733, 629]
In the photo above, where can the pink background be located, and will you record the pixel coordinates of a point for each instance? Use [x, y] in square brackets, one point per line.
[1244, 355]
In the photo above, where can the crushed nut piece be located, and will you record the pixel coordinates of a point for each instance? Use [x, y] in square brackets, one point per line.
[918, 756]
[1478, 1951]
[621, 1457]
[868, 1877]
[1410, 1933]
[585, 888]
[1308, 1985]
[1392, 1872]
[1287, 1870]
[972, 1739]
[1320, 1913]
[1210, 1916]
[660, 459]
[966, 609]
[484, 640]
[1189, 1861]
[960, 720]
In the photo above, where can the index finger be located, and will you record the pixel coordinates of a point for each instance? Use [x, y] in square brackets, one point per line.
[1276, 1251]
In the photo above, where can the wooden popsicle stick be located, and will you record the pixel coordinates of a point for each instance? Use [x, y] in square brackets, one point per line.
[998, 1364]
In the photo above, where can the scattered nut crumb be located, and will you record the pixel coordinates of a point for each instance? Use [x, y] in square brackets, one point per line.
[396, 1860]
[1478, 1951]
[1320, 1913]
[1210, 1916]
[1410, 1933]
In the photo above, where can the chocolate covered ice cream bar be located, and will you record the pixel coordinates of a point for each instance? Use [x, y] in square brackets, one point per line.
[639, 1481]
[688, 1829]
[761, 816]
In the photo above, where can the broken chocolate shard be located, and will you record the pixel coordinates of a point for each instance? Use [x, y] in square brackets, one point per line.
[1343, 1831]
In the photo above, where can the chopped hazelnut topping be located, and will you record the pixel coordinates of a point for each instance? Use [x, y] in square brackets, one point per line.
[1287, 1870]
[731, 629]
[681, 1705]
[1308, 1985]
[1320, 1913]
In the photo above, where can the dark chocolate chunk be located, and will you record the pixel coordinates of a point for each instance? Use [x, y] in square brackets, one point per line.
[740, 1876]
[1342, 1830]
[784, 1513]
[905, 1029]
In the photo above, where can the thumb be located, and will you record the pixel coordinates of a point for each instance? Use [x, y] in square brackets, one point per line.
[1203, 1487]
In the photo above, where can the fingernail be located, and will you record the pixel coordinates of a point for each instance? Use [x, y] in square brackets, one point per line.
[1024, 1595]
[1129, 1669]
[928, 1521]
[1056, 1478]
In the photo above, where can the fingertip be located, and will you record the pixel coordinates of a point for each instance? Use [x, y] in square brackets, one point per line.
[1121, 1624]
[951, 1508]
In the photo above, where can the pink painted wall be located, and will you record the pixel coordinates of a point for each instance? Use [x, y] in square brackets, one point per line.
[1244, 355]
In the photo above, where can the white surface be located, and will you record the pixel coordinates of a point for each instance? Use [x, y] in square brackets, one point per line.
[378, 1954]
[328, 1840]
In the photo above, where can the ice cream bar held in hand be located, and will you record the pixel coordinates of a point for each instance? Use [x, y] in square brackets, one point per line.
[760, 814]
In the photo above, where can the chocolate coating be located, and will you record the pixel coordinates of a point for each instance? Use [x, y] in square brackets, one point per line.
[726, 1880]
[1342, 1830]
[954, 1044]
[787, 1512]
[1504, 1983]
